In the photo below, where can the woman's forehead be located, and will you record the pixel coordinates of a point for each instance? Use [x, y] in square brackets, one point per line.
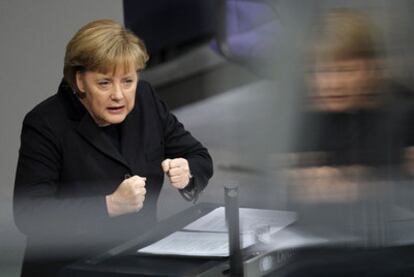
[117, 70]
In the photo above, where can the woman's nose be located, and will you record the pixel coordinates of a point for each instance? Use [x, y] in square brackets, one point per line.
[117, 93]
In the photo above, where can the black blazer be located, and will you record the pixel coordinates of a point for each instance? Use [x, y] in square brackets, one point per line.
[67, 165]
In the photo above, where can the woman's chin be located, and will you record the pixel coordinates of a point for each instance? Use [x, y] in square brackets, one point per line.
[112, 119]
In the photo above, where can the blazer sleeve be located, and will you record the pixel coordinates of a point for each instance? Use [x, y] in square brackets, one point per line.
[38, 207]
[179, 143]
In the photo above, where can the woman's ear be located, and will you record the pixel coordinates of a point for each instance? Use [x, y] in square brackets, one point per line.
[79, 78]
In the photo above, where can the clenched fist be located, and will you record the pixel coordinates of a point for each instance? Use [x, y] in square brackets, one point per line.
[178, 172]
[128, 197]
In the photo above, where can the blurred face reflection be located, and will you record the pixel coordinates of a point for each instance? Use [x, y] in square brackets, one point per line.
[343, 85]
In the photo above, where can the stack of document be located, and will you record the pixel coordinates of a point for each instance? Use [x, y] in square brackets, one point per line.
[208, 235]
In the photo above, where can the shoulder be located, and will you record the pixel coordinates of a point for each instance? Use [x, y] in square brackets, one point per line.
[48, 108]
[144, 85]
[47, 117]
[148, 102]
[38, 126]
[146, 96]
[145, 90]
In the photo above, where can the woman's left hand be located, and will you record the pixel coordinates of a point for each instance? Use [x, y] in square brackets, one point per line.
[178, 172]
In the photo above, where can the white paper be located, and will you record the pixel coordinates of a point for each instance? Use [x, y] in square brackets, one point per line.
[208, 235]
[195, 244]
[251, 220]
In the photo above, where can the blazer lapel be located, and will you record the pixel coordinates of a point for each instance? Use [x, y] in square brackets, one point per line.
[91, 132]
[131, 130]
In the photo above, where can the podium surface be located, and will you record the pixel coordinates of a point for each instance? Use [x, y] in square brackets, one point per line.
[124, 260]
[332, 258]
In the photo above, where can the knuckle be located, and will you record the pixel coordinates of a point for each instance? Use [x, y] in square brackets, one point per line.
[130, 184]
[175, 162]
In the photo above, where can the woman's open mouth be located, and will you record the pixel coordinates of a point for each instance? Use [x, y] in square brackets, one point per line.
[116, 110]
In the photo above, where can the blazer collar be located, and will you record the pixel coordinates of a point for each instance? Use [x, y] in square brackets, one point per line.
[73, 107]
[91, 132]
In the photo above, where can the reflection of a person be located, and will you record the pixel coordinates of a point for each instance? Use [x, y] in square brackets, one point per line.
[93, 156]
[354, 117]
[349, 157]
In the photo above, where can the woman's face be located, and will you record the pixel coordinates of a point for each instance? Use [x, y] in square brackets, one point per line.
[343, 85]
[108, 97]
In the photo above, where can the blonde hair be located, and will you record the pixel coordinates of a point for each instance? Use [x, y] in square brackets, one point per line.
[346, 34]
[103, 46]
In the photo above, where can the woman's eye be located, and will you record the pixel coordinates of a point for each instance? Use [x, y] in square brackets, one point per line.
[128, 82]
[103, 83]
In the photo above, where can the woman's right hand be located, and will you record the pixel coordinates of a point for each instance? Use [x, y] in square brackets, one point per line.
[128, 197]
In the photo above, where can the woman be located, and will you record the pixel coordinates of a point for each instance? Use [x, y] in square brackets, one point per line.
[93, 156]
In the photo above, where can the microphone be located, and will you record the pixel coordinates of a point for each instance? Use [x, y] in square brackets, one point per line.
[232, 219]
